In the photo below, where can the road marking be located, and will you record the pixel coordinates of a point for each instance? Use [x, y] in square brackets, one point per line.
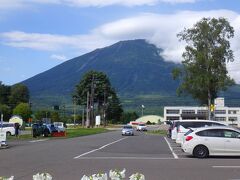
[129, 158]
[227, 167]
[174, 155]
[40, 140]
[99, 148]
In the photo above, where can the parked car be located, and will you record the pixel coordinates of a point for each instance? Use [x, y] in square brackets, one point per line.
[184, 126]
[141, 127]
[59, 126]
[127, 130]
[9, 128]
[213, 141]
[39, 129]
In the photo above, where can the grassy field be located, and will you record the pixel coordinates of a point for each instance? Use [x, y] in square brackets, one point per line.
[71, 133]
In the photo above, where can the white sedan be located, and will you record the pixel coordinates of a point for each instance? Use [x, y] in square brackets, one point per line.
[141, 127]
[213, 141]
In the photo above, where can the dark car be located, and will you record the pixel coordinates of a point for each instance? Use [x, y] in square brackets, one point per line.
[45, 130]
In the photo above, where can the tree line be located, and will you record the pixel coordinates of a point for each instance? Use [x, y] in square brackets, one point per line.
[14, 100]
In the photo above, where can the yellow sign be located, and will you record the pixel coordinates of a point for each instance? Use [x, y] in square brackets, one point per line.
[212, 107]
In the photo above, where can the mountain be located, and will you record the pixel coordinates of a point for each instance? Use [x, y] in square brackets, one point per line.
[135, 68]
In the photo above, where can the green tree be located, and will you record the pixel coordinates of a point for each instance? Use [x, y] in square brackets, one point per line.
[114, 109]
[93, 80]
[39, 115]
[6, 111]
[19, 94]
[4, 93]
[128, 116]
[55, 116]
[23, 110]
[204, 71]
[98, 86]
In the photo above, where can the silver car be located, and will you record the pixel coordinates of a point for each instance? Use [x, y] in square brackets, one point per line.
[127, 130]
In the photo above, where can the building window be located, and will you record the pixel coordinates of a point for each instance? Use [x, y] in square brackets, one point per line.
[232, 118]
[232, 112]
[202, 111]
[220, 118]
[172, 111]
[188, 111]
[220, 111]
[172, 118]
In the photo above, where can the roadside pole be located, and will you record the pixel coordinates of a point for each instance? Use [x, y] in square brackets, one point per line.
[2, 134]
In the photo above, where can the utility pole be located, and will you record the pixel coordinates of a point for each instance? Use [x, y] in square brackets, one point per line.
[142, 108]
[104, 107]
[83, 117]
[74, 111]
[87, 112]
[92, 102]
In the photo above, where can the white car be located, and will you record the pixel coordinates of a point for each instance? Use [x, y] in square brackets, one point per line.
[141, 127]
[184, 126]
[127, 130]
[9, 128]
[213, 141]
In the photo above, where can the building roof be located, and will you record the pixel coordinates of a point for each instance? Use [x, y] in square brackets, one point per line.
[151, 118]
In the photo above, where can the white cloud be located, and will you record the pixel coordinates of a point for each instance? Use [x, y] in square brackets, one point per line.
[160, 29]
[59, 57]
[14, 4]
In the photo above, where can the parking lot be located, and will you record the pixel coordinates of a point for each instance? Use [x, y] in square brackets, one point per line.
[157, 157]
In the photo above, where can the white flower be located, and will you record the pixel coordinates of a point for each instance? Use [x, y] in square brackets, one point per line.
[43, 176]
[85, 178]
[10, 178]
[117, 175]
[99, 176]
[137, 176]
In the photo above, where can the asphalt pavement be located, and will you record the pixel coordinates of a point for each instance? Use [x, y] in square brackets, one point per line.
[157, 157]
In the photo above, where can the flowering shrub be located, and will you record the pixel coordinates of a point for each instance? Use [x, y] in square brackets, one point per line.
[137, 176]
[116, 174]
[4, 178]
[99, 176]
[113, 175]
[42, 176]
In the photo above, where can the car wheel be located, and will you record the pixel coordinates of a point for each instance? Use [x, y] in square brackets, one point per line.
[200, 151]
[9, 133]
[46, 133]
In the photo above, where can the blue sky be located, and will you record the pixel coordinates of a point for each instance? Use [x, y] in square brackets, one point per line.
[36, 35]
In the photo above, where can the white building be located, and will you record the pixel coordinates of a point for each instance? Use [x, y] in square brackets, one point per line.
[228, 115]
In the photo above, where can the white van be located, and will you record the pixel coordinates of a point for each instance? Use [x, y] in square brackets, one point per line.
[184, 126]
[8, 128]
[59, 126]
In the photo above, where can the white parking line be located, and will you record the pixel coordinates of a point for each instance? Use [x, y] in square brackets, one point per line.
[40, 140]
[129, 158]
[174, 155]
[227, 167]
[99, 148]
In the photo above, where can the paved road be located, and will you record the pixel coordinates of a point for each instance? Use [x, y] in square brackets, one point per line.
[70, 159]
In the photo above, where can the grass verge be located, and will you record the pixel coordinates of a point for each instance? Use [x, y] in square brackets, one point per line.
[71, 133]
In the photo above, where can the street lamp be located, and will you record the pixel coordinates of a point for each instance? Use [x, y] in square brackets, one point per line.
[142, 108]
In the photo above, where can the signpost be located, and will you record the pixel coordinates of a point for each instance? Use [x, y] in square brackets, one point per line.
[2, 134]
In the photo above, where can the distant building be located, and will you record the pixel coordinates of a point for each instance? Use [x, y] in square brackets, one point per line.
[227, 115]
[151, 118]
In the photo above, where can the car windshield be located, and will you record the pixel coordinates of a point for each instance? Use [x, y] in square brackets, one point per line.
[127, 127]
[141, 124]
